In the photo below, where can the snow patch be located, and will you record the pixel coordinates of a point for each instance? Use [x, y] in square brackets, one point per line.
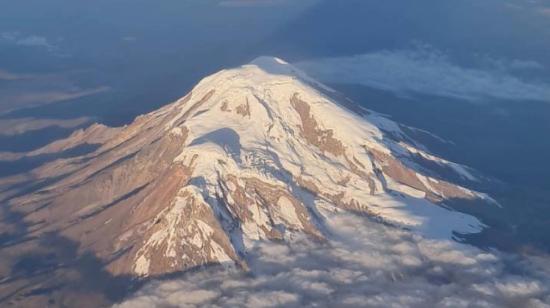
[288, 211]
[141, 266]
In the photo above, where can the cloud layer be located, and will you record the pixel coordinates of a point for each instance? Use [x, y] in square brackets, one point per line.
[365, 264]
[428, 71]
[27, 41]
[26, 90]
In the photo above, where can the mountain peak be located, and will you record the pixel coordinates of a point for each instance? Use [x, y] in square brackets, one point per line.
[253, 153]
[274, 65]
[268, 62]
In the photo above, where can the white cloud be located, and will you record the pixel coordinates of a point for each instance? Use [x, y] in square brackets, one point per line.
[11, 99]
[428, 71]
[30, 89]
[540, 7]
[19, 39]
[371, 265]
[271, 299]
[519, 288]
[34, 40]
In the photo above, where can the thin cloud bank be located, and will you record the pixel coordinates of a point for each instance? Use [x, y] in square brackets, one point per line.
[428, 71]
[364, 264]
[18, 39]
[24, 90]
[538, 6]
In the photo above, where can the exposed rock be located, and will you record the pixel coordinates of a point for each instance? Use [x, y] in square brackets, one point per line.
[244, 109]
[321, 138]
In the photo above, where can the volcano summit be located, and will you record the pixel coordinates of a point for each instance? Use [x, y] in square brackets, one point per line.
[256, 153]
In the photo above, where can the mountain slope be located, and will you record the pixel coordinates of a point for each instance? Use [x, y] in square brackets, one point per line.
[252, 153]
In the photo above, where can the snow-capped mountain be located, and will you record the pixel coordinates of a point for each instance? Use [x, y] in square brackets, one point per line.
[258, 152]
